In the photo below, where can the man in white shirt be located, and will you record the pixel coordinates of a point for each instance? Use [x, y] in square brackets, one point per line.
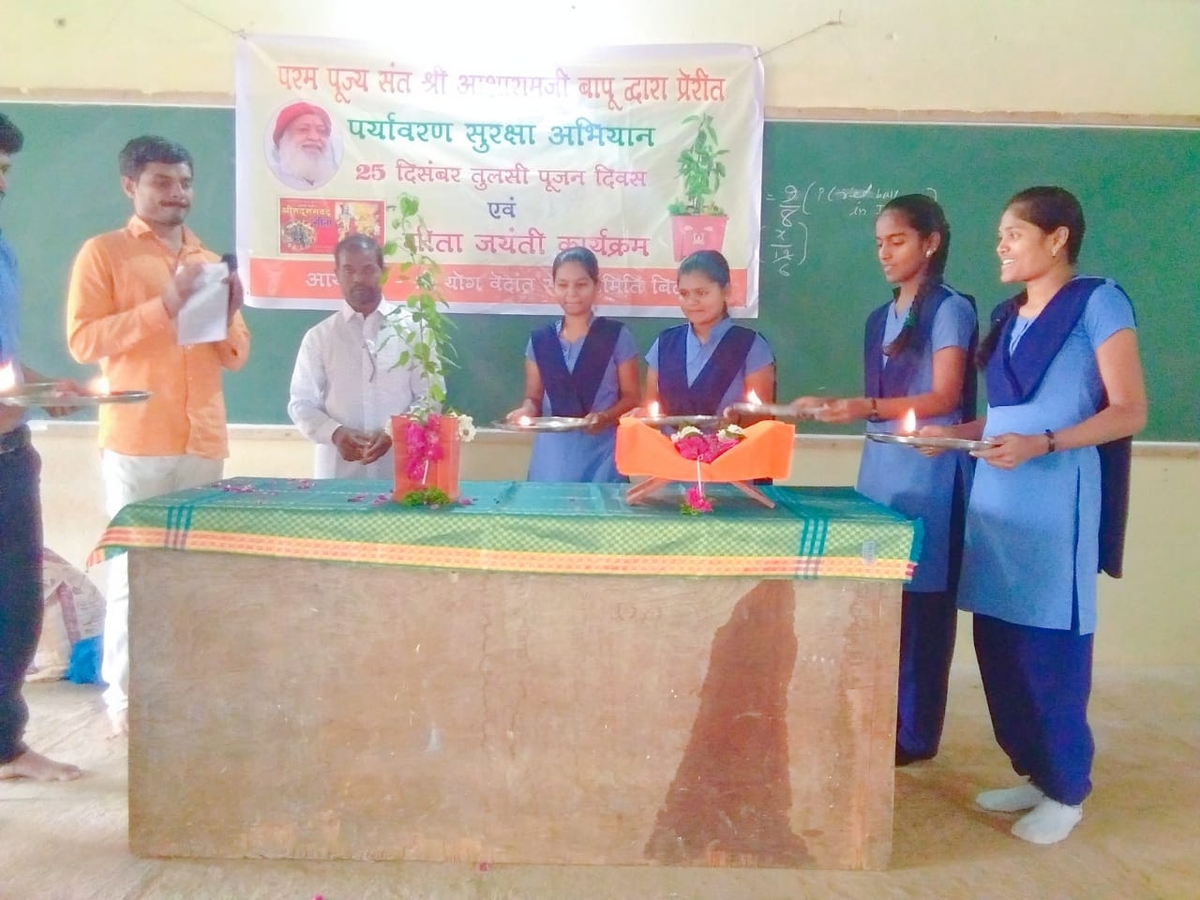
[347, 385]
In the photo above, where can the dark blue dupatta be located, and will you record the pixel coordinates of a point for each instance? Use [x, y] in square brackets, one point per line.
[572, 393]
[1014, 377]
[703, 396]
[896, 378]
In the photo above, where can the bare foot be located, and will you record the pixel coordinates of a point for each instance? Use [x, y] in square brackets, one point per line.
[119, 720]
[39, 768]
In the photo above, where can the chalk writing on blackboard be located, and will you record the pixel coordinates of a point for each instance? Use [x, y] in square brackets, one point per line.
[856, 200]
[787, 236]
[785, 231]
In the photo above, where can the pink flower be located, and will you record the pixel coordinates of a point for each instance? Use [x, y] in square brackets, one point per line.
[696, 501]
[704, 447]
[423, 445]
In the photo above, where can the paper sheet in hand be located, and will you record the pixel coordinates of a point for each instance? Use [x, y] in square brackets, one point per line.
[204, 318]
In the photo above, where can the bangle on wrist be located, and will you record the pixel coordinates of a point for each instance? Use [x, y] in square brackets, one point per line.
[1050, 443]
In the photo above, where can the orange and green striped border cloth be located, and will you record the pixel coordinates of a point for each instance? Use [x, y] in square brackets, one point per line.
[502, 526]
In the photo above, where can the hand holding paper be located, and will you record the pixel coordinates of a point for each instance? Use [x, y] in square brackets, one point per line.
[204, 316]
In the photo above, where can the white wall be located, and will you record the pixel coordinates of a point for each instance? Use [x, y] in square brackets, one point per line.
[1135, 57]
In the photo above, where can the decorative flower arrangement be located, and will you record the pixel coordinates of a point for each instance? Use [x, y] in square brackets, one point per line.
[692, 443]
[423, 442]
[731, 456]
[426, 438]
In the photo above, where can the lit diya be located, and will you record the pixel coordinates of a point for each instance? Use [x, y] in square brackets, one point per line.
[907, 435]
[542, 423]
[48, 393]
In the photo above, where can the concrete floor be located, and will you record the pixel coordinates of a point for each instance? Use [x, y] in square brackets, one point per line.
[1138, 838]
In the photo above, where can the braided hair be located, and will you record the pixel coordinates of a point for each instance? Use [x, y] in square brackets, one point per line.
[925, 216]
[1047, 208]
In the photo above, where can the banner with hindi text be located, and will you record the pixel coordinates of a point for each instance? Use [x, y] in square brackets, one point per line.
[643, 154]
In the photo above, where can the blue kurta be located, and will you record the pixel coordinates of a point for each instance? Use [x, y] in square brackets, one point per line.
[575, 455]
[1031, 546]
[10, 289]
[698, 354]
[910, 483]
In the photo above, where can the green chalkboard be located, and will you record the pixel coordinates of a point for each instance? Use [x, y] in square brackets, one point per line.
[823, 184]
[819, 275]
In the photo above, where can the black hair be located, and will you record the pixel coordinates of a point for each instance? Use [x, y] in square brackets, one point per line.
[142, 151]
[362, 242]
[925, 217]
[581, 255]
[709, 263]
[1048, 208]
[11, 139]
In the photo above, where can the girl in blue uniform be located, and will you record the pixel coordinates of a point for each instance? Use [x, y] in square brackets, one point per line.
[917, 356]
[580, 365]
[1047, 508]
[701, 367]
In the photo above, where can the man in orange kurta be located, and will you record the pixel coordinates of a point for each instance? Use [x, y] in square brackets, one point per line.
[127, 289]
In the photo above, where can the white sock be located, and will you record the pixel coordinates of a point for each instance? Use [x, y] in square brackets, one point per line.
[1048, 823]
[1015, 799]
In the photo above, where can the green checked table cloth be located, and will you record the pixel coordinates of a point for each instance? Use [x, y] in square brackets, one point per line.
[564, 529]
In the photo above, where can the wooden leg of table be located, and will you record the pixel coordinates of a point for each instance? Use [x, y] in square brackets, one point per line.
[639, 492]
[754, 493]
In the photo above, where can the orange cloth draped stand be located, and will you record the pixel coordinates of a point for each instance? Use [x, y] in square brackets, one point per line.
[642, 451]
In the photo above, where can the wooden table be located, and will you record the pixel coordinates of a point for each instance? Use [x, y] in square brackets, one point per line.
[294, 707]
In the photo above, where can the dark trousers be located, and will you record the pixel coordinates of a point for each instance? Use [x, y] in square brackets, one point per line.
[20, 589]
[928, 627]
[928, 622]
[1037, 682]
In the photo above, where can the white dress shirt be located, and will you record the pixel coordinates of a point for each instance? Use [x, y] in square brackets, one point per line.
[346, 374]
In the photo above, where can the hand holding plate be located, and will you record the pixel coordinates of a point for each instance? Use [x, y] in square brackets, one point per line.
[64, 388]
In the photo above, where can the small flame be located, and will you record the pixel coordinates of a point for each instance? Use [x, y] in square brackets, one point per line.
[753, 398]
[654, 409]
[98, 385]
[910, 422]
[8, 378]
[525, 421]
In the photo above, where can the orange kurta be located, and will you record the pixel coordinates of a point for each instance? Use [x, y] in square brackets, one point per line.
[115, 316]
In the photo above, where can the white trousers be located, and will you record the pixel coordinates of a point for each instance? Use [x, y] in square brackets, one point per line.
[128, 479]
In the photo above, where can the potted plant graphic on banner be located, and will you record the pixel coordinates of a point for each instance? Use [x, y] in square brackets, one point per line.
[426, 438]
[698, 223]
